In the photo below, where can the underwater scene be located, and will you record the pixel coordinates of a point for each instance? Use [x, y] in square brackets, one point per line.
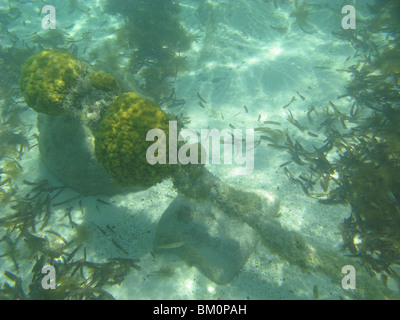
[200, 149]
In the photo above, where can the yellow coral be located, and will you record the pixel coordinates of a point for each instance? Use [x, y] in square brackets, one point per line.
[104, 81]
[46, 79]
[121, 145]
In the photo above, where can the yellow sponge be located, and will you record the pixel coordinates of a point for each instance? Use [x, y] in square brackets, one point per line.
[46, 79]
[120, 144]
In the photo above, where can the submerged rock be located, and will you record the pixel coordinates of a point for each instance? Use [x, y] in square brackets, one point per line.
[204, 236]
[67, 149]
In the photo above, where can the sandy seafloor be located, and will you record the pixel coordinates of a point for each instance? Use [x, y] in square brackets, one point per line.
[241, 61]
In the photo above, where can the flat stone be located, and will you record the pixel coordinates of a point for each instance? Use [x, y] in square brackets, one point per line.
[205, 237]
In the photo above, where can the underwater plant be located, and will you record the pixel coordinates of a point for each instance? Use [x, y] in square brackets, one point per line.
[389, 61]
[386, 17]
[155, 39]
[301, 14]
[22, 234]
[367, 170]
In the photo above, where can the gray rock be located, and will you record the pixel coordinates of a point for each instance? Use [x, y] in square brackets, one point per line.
[205, 237]
[67, 149]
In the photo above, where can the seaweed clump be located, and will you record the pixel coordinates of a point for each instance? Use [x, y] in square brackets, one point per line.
[361, 154]
[157, 39]
[370, 181]
[369, 169]
[386, 17]
[301, 14]
[22, 237]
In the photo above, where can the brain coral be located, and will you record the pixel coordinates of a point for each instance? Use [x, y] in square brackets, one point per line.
[120, 142]
[46, 79]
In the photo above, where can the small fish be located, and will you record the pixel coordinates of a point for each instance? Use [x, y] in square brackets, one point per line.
[287, 172]
[2, 183]
[47, 211]
[302, 97]
[127, 261]
[312, 134]
[294, 122]
[72, 254]
[86, 34]
[311, 109]
[201, 105]
[343, 123]
[232, 126]
[201, 98]
[31, 147]
[68, 214]
[172, 245]
[100, 229]
[59, 236]
[37, 268]
[17, 164]
[279, 28]
[276, 146]
[118, 246]
[261, 129]
[103, 202]
[40, 185]
[11, 276]
[305, 189]
[286, 163]
[245, 109]
[291, 101]
[342, 116]
[354, 109]
[66, 201]
[272, 122]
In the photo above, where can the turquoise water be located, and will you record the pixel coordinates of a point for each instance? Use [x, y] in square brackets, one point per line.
[299, 178]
